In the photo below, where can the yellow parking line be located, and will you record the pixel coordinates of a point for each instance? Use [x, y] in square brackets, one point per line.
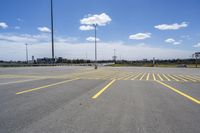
[147, 76]
[154, 78]
[173, 78]
[142, 76]
[102, 90]
[180, 78]
[179, 92]
[166, 77]
[160, 77]
[19, 76]
[20, 81]
[46, 86]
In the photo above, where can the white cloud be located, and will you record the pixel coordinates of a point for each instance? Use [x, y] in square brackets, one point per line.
[3, 25]
[105, 51]
[170, 40]
[24, 38]
[101, 19]
[34, 39]
[92, 39]
[197, 45]
[44, 29]
[140, 36]
[173, 41]
[86, 27]
[174, 26]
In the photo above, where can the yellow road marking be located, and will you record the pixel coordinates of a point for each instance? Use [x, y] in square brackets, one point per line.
[20, 81]
[147, 76]
[126, 75]
[154, 78]
[166, 77]
[180, 78]
[193, 77]
[188, 78]
[130, 76]
[196, 76]
[102, 90]
[160, 77]
[179, 92]
[19, 76]
[173, 78]
[136, 76]
[142, 76]
[46, 86]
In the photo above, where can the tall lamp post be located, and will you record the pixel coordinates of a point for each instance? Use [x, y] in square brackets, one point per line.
[52, 31]
[26, 52]
[95, 34]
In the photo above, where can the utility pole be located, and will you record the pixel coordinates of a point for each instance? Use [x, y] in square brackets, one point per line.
[52, 31]
[95, 33]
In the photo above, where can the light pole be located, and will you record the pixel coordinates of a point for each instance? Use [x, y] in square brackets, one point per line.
[95, 34]
[26, 52]
[52, 31]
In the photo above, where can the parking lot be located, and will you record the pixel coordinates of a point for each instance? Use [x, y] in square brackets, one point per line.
[110, 99]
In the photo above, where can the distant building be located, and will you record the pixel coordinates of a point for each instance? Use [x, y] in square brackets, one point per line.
[44, 60]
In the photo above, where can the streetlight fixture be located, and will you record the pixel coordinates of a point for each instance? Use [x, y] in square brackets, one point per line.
[95, 34]
[52, 31]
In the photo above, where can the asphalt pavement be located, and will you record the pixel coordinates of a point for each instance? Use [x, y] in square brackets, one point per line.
[75, 99]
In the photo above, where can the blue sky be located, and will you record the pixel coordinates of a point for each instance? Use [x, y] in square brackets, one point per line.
[130, 30]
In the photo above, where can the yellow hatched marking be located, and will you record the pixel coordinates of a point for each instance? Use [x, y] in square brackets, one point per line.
[188, 78]
[173, 78]
[142, 76]
[154, 78]
[136, 76]
[148, 76]
[180, 78]
[160, 77]
[124, 76]
[193, 77]
[132, 75]
[166, 77]
[197, 76]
